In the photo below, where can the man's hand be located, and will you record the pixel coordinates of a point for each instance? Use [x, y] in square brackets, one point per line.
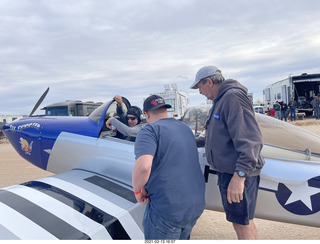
[118, 99]
[235, 189]
[108, 124]
[142, 197]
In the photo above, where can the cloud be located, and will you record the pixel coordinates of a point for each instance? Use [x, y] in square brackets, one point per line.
[92, 50]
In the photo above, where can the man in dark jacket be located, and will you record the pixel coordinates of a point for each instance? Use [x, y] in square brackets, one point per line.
[277, 113]
[284, 108]
[293, 106]
[233, 143]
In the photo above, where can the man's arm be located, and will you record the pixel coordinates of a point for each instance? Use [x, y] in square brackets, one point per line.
[120, 111]
[201, 139]
[247, 139]
[124, 129]
[140, 177]
[118, 99]
[235, 189]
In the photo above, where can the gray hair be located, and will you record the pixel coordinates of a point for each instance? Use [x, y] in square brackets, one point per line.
[216, 79]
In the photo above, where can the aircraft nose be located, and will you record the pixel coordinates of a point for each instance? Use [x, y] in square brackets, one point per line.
[25, 136]
[4, 126]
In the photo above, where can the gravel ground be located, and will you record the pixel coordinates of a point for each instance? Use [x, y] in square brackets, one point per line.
[210, 226]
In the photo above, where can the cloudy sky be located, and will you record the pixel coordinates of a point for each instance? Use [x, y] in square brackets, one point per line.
[95, 49]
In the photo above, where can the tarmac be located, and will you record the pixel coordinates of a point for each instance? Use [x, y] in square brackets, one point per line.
[210, 226]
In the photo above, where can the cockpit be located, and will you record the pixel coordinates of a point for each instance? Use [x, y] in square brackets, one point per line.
[104, 112]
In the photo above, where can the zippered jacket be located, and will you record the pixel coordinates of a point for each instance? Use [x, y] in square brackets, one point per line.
[233, 138]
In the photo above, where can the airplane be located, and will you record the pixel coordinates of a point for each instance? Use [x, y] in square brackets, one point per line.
[90, 196]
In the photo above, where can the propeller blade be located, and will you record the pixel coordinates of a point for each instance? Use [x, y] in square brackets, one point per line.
[39, 102]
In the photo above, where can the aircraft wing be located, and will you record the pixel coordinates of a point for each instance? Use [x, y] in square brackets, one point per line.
[75, 205]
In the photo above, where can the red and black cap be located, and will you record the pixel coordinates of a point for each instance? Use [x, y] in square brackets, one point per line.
[154, 102]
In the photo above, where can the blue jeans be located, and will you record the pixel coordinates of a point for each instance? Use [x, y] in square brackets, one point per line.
[284, 115]
[277, 114]
[292, 114]
[157, 228]
[316, 113]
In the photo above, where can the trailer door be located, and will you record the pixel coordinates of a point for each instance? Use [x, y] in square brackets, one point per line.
[284, 93]
[267, 93]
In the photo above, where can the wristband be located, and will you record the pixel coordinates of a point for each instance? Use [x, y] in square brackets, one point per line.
[138, 192]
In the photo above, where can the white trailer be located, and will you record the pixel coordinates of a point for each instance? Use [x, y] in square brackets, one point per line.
[179, 100]
[301, 88]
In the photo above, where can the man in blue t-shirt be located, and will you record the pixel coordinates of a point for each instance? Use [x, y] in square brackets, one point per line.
[167, 174]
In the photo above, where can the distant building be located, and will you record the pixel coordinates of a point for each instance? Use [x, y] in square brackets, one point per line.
[71, 108]
[10, 118]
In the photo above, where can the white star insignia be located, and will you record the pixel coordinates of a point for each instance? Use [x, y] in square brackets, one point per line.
[302, 192]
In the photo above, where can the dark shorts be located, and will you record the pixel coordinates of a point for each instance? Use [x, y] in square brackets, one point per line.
[239, 213]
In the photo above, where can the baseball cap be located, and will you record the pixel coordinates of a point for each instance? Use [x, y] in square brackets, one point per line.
[204, 72]
[154, 102]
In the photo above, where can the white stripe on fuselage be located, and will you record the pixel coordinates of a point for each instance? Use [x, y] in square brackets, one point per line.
[62, 211]
[121, 214]
[10, 218]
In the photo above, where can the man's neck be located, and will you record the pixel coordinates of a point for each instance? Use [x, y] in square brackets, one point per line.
[158, 117]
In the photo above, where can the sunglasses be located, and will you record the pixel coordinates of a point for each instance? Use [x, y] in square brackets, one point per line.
[131, 118]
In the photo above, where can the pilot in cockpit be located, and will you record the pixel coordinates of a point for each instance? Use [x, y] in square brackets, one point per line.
[129, 124]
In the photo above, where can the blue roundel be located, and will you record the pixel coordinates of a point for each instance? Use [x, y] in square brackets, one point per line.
[301, 200]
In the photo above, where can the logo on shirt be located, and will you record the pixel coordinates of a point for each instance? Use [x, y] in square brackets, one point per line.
[216, 116]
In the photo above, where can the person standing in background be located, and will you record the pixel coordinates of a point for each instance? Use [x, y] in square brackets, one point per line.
[276, 107]
[284, 108]
[292, 107]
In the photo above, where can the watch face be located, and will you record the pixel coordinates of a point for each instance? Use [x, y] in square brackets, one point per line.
[241, 173]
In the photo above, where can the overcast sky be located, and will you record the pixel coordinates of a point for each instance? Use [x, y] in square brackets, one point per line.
[94, 49]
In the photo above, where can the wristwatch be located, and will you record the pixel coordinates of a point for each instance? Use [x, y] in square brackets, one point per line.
[241, 173]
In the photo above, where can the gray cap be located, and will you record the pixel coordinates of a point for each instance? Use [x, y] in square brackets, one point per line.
[204, 72]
